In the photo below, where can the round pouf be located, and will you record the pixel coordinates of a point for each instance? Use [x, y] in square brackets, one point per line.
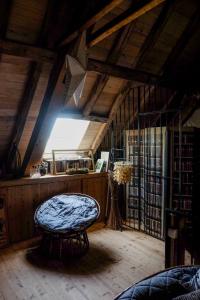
[63, 220]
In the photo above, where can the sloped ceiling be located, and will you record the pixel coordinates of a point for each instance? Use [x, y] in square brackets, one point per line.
[163, 42]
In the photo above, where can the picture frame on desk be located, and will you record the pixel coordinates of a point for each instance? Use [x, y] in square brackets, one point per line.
[99, 165]
[105, 156]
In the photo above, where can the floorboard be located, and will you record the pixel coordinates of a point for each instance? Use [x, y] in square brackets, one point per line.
[115, 261]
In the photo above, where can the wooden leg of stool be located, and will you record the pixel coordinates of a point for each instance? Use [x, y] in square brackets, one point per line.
[60, 247]
[86, 241]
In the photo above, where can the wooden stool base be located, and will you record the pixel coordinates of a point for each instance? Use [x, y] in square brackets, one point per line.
[63, 245]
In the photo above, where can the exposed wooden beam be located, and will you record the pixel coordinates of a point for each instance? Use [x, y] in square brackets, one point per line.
[5, 6]
[121, 72]
[30, 88]
[52, 104]
[79, 115]
[21, 119]
[124, 19]
[94, 19]
[113, 56]
[156, 30]
[182, 42]
[95, 92]
[26, 51]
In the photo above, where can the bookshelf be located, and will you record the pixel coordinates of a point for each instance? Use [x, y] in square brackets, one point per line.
[179, 214]
[182, 170]
[145, 195]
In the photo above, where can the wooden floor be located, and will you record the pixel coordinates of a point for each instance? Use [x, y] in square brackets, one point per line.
[115, 261]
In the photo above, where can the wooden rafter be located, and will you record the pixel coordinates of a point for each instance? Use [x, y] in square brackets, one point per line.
[187, 34]
[121, 72]
[31, 85]
[156, 30]
[94, 19]
[52, 103]
[113, 56]
[124, 19]
[26, 51]
[78, 115]
[95, 92]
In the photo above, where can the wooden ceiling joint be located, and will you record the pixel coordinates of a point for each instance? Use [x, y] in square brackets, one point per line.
[91, 21]
[122, 20]
[122, 72]
[27, 51]
[79, 115]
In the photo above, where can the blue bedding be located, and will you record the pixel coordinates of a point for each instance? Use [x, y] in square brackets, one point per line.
[63, 213]
[180, 282]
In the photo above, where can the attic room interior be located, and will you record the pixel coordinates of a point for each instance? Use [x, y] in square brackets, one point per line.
[99, 149]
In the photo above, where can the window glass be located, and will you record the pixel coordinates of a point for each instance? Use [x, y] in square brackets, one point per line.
[66, 134]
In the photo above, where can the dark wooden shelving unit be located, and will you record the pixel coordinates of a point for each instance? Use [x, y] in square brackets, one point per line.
[145, 193]
[179, 214]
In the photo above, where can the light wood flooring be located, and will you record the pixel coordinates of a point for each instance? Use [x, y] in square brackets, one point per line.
[115, 261]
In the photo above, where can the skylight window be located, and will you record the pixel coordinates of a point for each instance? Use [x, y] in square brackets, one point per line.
[66, 134]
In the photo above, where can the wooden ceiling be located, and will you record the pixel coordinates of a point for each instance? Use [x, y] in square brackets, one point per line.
[130, 42]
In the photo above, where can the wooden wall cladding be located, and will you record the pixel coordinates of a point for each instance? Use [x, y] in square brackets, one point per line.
[22, 200]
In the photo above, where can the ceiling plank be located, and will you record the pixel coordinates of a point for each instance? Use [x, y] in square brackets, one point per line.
[124, 19]
[119, 44]
[117, 102]
[26, 51]
[121, 72]
[53, 101]
[182, 42]
[47, 21]
[94, 19]
[156, 30]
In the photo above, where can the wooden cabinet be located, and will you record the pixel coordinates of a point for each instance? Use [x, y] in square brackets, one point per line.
[97, 188]
[22, 197]
[74, 186]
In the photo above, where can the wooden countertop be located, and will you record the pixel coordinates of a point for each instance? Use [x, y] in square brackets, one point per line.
[48, 179]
